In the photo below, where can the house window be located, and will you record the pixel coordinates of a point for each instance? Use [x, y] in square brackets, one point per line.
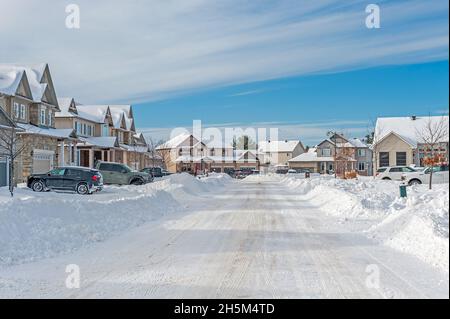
[401, 158]
[16, 110]
[105, 130]
[326, 152]
[361, 166]
[90, 130]
[384, 159]
[22, 111]
[42, 116]
[76, 127]
[361, 152]
[50, 119]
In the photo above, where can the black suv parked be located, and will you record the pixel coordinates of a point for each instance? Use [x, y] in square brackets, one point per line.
[155, 171]
[82, 180]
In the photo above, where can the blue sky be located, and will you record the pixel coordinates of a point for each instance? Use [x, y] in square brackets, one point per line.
[346, 101]
[303, 66]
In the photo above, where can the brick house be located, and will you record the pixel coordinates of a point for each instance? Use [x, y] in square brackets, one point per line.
[28, 96]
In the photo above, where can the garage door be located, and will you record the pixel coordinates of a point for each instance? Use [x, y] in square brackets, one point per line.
[42, 161]
[3, 173]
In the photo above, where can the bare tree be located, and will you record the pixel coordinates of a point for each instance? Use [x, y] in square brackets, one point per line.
[432, 135]
[152, 150]
[11, 148]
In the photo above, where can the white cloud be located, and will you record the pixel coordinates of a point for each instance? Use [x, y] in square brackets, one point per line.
[310, 133]
[143, 50]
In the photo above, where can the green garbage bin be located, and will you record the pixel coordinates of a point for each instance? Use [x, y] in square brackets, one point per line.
[403, 191]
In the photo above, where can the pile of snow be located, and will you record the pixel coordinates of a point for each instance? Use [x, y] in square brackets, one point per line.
[41, 225]
[418, 224]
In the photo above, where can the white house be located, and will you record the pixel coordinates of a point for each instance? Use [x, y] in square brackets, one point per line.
[398, 141]
[279, 152]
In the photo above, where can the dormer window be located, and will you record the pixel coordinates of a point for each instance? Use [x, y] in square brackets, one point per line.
[42, 116]
[16, 110]
[50, 119]
[22, 111]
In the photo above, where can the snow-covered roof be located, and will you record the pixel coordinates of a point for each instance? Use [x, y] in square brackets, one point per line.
[126, 108]
[174, 142]
[277, 146]
[11, 76]
[94, 113]
[64, 106]
[311, 156]
[9, 79]
[101, 141]
[57, 133]
[407, 128]
[117, 116]
[356, 142]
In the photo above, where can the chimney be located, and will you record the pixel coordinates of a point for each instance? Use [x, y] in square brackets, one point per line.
[413, 118]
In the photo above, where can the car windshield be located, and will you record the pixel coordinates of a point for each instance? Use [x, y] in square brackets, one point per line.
[442, 168]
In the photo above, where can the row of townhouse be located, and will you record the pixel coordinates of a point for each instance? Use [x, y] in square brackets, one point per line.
[59, 131]
[186, 153]
[336, 154]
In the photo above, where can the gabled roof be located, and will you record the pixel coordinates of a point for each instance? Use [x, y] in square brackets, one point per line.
[126, 108]
[311, 156]
[11, 75]
[95, 113]
[405, 139]
[67, 107]
[278, 146]
[407, 128]
[175, 142]
[5, 119]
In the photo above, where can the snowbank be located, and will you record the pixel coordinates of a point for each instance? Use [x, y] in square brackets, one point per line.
[40, 225]
[417, 225]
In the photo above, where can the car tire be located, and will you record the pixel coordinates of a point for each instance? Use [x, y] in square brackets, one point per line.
[137, 182]
[82, 189]
[38, 186]
[386, 179]
[414, 182]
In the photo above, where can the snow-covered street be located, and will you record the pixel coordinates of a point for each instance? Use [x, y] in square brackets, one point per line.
[220, 238]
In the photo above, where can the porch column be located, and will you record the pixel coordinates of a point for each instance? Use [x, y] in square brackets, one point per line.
[91, 158]
[125, 157]
[70, 146]
[61, 155]
[75, 154]
[103, 156]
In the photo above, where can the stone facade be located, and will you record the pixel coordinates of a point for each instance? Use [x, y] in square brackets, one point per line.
[33, 142]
